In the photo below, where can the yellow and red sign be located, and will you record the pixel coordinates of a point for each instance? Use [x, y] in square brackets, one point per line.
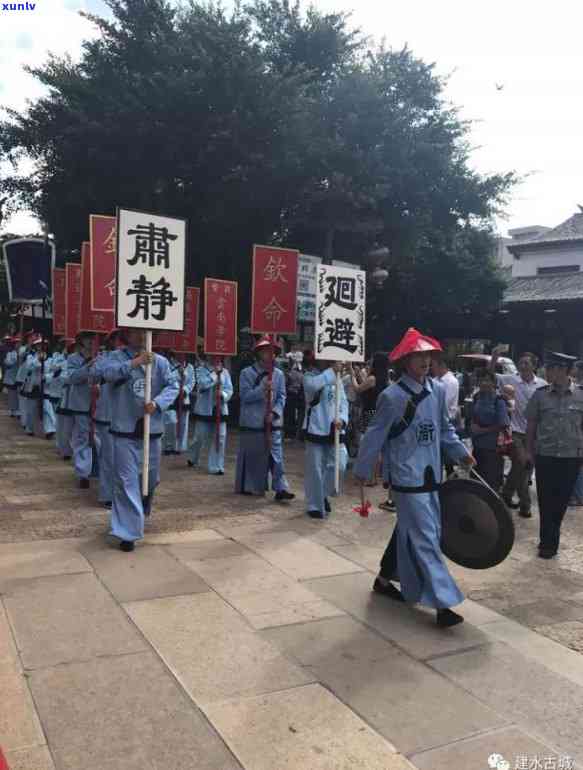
[220, 317]
[102, 232]
[73, 299]
[59, 302]
[275, 284]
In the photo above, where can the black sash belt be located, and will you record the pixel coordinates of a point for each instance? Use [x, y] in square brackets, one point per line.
[430, 484]
[243, 429]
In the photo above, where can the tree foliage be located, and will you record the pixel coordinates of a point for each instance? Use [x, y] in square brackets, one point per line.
[264, 124]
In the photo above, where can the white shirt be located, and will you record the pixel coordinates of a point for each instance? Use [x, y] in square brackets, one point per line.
[522, 393]
[452, 393]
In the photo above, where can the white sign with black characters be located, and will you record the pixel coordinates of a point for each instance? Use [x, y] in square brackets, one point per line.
[340, 314]
[151, 263]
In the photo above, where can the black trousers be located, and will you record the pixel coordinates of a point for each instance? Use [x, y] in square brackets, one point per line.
[389, 560]
[490, 466]
[555, 481]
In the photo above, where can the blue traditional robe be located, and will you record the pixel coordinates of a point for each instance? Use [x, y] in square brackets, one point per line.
[205, 425]
[414, 462]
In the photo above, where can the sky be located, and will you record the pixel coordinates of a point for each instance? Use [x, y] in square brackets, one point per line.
[515, 70]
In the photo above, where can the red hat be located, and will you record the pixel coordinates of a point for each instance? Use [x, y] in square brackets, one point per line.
[267, 342]
[16, 338]
[36, 340]
[414, 342]
[31, 333]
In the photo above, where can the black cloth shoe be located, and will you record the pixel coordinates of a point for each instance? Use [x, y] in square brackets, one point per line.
[66, 458]
[127, 546]
[190, 464]
[388, 590]
[147, 505]
[280, 496]
[317, 515]
[219, 473]
[327, 506]
[448, 618]
[509, 504]
[525, 514]
[107, 504]
[50, 436]
[84, 483]
[546, 553]
[167, 452]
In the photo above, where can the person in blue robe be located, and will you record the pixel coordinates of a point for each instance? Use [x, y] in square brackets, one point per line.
[412, 428]
[53, 384]
[31, 384]
[23, 354]
[208, 377]
[125, 370]
[258, 457]
[319, 432]
[10, 369]
[35, 390]
[78, 378]
[57, 379]
[177, 417]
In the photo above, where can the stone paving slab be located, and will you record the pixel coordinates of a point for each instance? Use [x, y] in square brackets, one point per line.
[211, 649]
[36, 758]
[298, 557]
[385, 686]
[564, 662]
[224, 548]
[147, 573]
[190, 536]
[413, 629]
[531, 695]
[37, 560]
[306, 728]
[124, 713]
[568, 634]
[7, 646]
[472, 754]
[68, 617]
[19, 726]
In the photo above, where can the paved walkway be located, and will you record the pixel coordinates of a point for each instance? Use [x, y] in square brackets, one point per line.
[241, 635]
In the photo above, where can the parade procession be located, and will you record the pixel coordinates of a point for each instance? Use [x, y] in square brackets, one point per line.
[291, 385]
[122, 377]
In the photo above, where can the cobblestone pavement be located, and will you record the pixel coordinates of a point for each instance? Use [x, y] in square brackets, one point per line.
[240, 634]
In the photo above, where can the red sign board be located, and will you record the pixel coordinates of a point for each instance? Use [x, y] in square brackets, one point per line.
[220, 317]
[186, 341]
[101, 322]
[73, 297]
[275, 283]
[164, 340]
[103, 258]
[59, 302]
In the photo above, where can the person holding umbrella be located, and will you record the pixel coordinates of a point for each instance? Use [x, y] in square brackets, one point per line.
[412, 417]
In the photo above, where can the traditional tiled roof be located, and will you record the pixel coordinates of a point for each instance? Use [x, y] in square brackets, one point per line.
[569, 231]
[547, 288]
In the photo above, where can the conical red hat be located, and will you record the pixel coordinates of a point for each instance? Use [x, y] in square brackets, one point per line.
[36, 340]
[414, 342]
[267, 342]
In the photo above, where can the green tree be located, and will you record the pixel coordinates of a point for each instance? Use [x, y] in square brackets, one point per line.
[265, 124]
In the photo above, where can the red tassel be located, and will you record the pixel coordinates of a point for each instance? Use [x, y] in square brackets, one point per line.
[363, 510]
[3, 762]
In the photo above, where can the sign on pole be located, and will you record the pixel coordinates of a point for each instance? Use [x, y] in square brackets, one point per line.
[73, 299]
[188, 340]
[59, 302]
[150, 287]
[99, 321]
[220, 317]
[340, 327]
[102, 235]
[274, 292]
[341, 313]
[307, 278]
[151, 262]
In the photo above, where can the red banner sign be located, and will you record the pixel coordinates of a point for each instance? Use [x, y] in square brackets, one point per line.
[59, 302]
[103, 258]
[220, 317]
[186, 341]
[73, 297]
[101, 322]
[275, 283]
